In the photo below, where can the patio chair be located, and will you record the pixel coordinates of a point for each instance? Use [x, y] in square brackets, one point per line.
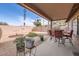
[30, 45]
[58, 36]
[69, 36]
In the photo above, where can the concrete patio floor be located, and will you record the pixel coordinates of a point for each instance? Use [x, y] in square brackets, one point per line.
[47, 48]
[50, 48]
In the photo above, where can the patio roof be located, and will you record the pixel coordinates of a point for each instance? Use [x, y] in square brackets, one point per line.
[53, 11]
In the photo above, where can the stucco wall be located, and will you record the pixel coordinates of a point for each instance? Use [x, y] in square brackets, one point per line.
[13, 30]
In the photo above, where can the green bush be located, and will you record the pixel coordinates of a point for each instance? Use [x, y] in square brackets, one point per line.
[20, 42]
[31, 34]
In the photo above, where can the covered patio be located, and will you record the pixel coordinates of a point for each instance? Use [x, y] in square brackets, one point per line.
[63, 13]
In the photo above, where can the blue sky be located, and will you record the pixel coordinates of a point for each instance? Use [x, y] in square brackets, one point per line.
[13, 14]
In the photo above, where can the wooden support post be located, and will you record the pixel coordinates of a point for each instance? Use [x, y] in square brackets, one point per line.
[51, 24]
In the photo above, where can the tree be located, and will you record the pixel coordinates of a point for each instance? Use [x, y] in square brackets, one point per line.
[3, 23]
[37, 22]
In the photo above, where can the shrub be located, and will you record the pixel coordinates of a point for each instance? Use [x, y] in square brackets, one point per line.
[3, 23]
[31, 34]
[20, 43]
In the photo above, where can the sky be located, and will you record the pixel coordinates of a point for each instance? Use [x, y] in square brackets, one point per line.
[13, 14]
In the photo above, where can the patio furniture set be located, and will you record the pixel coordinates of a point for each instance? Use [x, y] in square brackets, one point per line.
[61, 37]
[29, 42]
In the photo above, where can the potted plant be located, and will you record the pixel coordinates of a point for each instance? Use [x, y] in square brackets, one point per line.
[41, 37]
[20, 45]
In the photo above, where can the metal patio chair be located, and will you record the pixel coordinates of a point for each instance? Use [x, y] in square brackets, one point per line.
[29, 44]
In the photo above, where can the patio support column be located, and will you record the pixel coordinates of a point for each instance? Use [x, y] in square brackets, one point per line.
[72, 24]
[68, 25]
[51, 24]
[51, 29]
[43, 21]
[78, 26]
[48, 24]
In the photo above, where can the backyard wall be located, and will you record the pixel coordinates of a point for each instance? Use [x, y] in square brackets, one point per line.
[40, 29]
[13, 30]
